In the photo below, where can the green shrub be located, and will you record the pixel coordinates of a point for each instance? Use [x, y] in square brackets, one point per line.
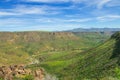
[117, 71]
[27, 77]
[1, 79]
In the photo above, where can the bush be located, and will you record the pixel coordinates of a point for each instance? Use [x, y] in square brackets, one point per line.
[26, 77]
[1, 79]
[117, 71]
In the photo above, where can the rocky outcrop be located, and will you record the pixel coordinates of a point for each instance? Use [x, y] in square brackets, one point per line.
[9, 72]
[15, 37]
[38, 74]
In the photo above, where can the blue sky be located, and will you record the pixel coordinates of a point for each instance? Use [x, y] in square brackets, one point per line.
[52, 15]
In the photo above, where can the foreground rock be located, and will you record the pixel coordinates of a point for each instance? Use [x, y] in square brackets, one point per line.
[9, 72]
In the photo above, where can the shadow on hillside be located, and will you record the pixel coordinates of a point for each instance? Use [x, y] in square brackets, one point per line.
[116, 51]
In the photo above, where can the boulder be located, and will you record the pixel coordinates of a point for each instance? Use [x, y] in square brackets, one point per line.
[8, 72]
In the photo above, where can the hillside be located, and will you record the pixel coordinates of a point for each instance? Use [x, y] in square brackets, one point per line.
[54, 51]
[49, 41]
[93, 38]
[43, 41]
[96, 63]
[17, 47]
[99, 63]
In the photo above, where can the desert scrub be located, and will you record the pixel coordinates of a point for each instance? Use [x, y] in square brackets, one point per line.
[26, 77]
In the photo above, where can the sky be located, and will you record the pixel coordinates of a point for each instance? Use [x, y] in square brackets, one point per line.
[57, 15]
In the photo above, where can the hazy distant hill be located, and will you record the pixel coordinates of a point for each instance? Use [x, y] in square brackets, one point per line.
[94, 30]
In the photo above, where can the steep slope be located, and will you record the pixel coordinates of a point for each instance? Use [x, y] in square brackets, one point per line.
[94, 64]
[98, 62]
[93, 38]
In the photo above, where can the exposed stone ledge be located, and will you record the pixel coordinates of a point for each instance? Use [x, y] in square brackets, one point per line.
[9, 72]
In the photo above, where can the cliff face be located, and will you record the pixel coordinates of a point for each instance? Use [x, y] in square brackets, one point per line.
[20, 72]
[116, 51]
[35, 36]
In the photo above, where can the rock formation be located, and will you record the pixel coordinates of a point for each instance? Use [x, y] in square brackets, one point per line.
[9, 72]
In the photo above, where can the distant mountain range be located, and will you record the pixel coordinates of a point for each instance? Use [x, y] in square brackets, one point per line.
[94, 30]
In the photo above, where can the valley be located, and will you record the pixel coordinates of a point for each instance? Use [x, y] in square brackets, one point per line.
[63, 55]
[59, 39]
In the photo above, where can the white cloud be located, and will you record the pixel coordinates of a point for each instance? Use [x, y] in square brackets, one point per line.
[102, 3]
[113, 3]
[98, 3]
[47, 1]
[35, 24]
[38, 21]
[78, 20]
[5, 13]
[12, 22]
[108, 17]
[54, 20]
[50, 10]
[27, 9]
[51, 1]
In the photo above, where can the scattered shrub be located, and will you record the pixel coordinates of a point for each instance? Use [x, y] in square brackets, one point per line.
[117, 71]
[1, 79]
[26, 77]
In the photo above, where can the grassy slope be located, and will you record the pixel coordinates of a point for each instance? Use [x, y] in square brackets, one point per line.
[93, 64]
[12, 54]
[17, 47]
[98, 62]
[93, 38]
